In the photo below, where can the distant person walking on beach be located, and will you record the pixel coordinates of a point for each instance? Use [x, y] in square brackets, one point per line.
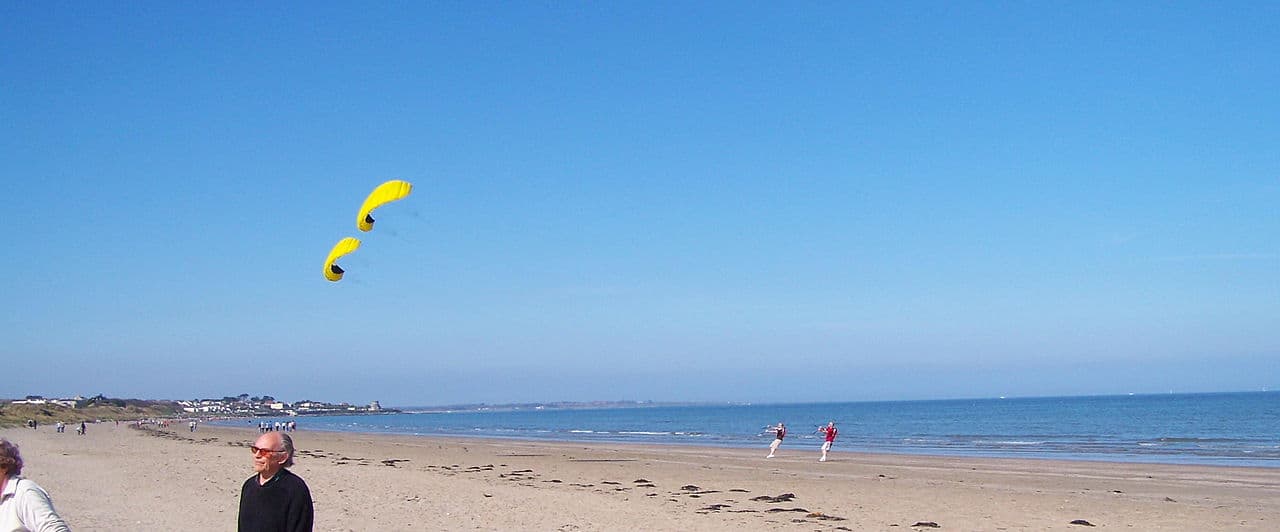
[82, 429]
[24, 505]
[192, 425]
[274, 499]
[780, 432]
[830, 432]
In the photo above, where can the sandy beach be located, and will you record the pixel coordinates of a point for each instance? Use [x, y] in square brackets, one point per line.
[120, 478]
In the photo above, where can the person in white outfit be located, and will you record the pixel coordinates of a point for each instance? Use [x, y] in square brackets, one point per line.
[24, 505]
[780, 431]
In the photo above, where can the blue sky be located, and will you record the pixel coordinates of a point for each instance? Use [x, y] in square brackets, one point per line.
[668, 201]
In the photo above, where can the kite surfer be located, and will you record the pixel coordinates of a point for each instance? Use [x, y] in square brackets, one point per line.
[780, 431]
[830, 432]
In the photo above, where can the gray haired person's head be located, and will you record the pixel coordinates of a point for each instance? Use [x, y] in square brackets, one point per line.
[288, 448]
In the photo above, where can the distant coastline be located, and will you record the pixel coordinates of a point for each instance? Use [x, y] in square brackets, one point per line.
[41, 410]
[554, 405]
[619, 404]
[100, 408]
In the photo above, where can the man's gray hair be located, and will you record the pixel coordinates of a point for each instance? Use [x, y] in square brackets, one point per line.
[288, 447]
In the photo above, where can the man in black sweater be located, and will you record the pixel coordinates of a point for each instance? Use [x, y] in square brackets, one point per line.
[274, 499]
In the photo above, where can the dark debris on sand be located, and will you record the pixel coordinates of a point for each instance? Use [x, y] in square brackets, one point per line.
[785, 497]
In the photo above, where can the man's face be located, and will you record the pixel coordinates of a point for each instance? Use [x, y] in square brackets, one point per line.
[270, 456]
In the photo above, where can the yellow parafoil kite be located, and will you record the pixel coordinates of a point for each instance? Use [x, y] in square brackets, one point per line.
[331, 271]
[385, 193]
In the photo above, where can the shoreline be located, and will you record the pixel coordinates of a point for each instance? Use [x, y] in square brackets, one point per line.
[123, 478]
[1096, 458]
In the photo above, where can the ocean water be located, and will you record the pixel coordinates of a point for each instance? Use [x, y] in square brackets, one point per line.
[1240, 429]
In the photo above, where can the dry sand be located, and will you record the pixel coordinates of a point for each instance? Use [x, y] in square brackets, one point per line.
[119, 478]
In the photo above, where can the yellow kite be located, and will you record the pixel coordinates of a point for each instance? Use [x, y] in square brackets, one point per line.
[331, 271]
[385, 193]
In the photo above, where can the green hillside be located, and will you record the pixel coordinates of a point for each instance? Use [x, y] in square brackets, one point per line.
[101, 409]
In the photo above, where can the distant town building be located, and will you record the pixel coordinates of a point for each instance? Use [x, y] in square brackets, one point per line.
[39, 400]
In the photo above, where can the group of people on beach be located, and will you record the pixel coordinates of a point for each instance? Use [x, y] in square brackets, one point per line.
[277, 426]
[828, 431]
[59, 427]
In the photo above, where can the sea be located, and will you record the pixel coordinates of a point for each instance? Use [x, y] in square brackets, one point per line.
[1232, 429]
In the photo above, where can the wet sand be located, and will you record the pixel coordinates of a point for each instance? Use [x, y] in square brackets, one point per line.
[119, 478]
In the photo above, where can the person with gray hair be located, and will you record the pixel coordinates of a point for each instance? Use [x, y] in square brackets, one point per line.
[274, 499]
[24, 505]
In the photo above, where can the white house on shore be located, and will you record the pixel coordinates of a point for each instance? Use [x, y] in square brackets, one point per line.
[38, 400]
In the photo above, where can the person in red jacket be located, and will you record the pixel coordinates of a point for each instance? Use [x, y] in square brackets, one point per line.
[830, 432]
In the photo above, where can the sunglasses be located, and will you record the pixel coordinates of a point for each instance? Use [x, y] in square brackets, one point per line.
[258, 451]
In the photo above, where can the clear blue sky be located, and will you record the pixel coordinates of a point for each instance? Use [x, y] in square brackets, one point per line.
[641, 200]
